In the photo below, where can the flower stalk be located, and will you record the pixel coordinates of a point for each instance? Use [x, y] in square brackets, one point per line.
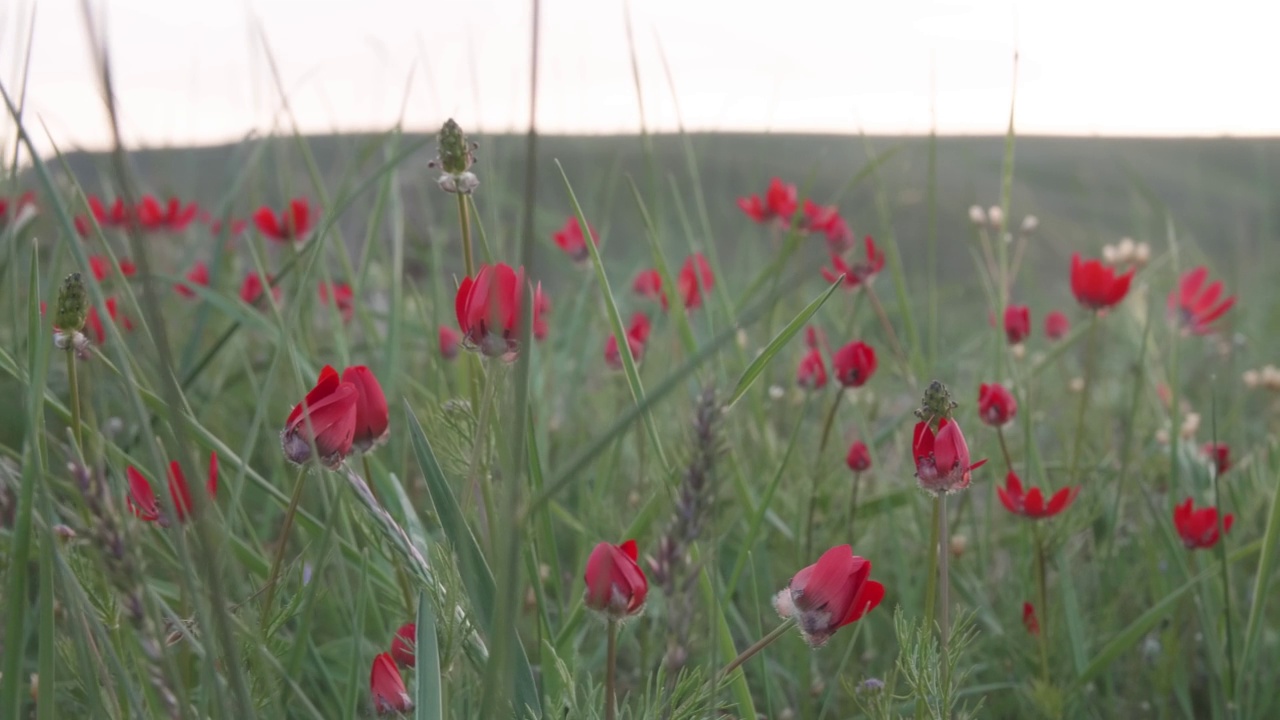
[1089, 353]
[1042, 597]
[756, 647]
[611, 673]
[274, 574]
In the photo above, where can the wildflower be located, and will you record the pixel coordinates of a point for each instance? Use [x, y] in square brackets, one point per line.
[942, 461]
[695, 278]
[1017, 323]
[977, 215]
[142, 499]
[1199, 528]
[1195, 307]
[858, 273]
[870, 686]
[571, 240]
[1029, 619]
[1219, 455]
[84, 226]
[995, 216]
[854, 364]
[1097, 286]
[291, 224]
[371, 422]
[779, 203]
[637, 336]
[72, 307]
[117, 216]
[172, 216]
[826, 219]
[326, 418]
[341, 296]
[1031, 503]
[403, 645]
[831, 593]
[251, 289]
[1056, 325]
[449, 339]
[859, 457]
[812, 372]
[1029, 224]
[197, 275]
[488, 309]
[996, 405]
[93, 321]
[616, 586]
[648, 284]
[455, 157]
[387, 687]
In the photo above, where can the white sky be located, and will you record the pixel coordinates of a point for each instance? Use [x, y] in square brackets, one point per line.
[196, 70]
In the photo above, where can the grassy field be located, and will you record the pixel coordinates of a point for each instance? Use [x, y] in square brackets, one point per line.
[500, 476]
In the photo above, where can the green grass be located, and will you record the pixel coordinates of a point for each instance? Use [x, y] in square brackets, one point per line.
[497, 484]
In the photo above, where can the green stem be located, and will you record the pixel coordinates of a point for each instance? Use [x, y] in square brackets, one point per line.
[1226, 577]
[944, 576]
[1090, 344]
[610, 673]
[280, 548]
[853, 503]
[931, 582]
[464, 221]
[884, 322]
[1042, 598]
[813, 487]
[75, 396]
[759, 645]
[1004, 448]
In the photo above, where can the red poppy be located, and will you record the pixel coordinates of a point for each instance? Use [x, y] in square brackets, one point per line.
[1219, 454]
[854, 364]
[197, 275]
[449, 339]
[695, 279]
[329, 421]
[173, 216]
[100, 267]
[831, 593]
[1196, 307]
[290, 225]
[616, 586]
[1017, 323]
[1097, 286]
[859, 457]
[1056, 325]
[1199, 528]
[1031, 503]
[858, 273]
[827, 220]
[488, 309]
[386, 687]
[779, 203]
[84, 226]
[251, 289]
[571, 240]
[637, 336]
[372, 421]
[648, 284]
[341, 296]
[142, 499]
[117, 216]
[996, 405]
[404, 644]
[812, 372]
[942, 461]
[93, 326]
[1029, 620]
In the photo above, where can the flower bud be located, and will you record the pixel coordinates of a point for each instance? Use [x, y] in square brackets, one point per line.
[73, 305]
[977, 215]
[995, 216]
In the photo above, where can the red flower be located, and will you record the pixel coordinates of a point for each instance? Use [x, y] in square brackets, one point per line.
[1017, 323]
[327, 418]
[818, 218]
[541, 306]
[488, 309]
[404, 644]
[341, 296]
[26, 199]
[175, 217]
[942, 462]
[812, 373]
[1194, 306]
[1056, 325]
[1219, 454]
[854, 364]
[1029, 620]
[84, 226]
[814, 338]
[387, 687]
[117, 216]
[93, 322]
[449, 342]
[779, 203]
[616, 586]
[100, 267]
[236, 226]
[695, 278]
[829, 594]
[1097, 286]
[570, 239]
[859, 272]
[1199, 528]
[1031, 503]
[996, 405]
[142, 499]
[859, 457]
[637, 336]
[291, 225]
[197, 275]
[648, 284]
[252, 287]
[371, 409]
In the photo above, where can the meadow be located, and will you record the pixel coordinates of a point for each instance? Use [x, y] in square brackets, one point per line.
[472, 464]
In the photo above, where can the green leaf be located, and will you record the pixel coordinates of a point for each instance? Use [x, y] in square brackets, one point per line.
[758, 365]
[427, 663]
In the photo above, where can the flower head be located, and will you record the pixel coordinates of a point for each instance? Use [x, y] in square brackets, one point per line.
[779, 203]
[1031, 503]
[854, 364]
[812, 372]
[456, 155]
[326, 418]
[488, 308]
[1097, 286]
[253, 287]
[996, 405]
[637, 336]
[117, 216]
[616, 586]
[386, 687]
[1029, 620]
[172, 216]
[371, 409]
[404, 644]
[1195, 307]
[859, 457]
[1056, 325]
[197, 275]
[942, 461]
[648, 285]
[142, 498]
[572, 240]
[342, 297]
[695, 279]
[860, 272]
[1017, 323]
[1199, 528]
[1219, 455]
[831, 593]
[449, 339]
[290, 225]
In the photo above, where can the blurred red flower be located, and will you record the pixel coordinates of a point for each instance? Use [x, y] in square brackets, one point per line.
[648, 284]
[854, 364]
[386, 687]
[812, 372]
[1199, 528]
[1031, 503]
[325, 417]
[859, 457]
[372, 418]
[1196, 307]
[695, 279]
[616, 586]
[1219, 454]
[779, 203]
[1056, 325]
[403, 645]
[571, 240]
[341, 296]
[197, 275]
[173, 216]
[1017, 323]
[1097, 286]
[290, 225]
[996, 405]
[142, 498]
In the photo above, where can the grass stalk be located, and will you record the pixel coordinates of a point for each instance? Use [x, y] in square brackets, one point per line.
[283, 543]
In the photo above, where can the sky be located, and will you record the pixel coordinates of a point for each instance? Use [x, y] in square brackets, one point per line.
[201, 72]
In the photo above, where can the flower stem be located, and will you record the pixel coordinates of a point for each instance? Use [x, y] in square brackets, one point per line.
[1004, 448]
[274, 575]
[75, 397]
[1222, 558]
[813, 488]
[1090, 344]
[759, 645]
[1042, 598]
[611, 673]
[884, 322]
[853, 503]
[368, 474]
[401, 578]
[931, 582]
[944, 574]
[464, 220]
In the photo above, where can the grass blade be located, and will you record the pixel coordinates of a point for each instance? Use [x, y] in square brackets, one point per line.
[427, 664]
[758, 365]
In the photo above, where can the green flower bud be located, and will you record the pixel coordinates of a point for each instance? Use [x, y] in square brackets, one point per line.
[936, 404]
[73, 304]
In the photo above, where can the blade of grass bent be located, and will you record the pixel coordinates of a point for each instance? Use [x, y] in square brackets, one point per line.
[775, 345]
